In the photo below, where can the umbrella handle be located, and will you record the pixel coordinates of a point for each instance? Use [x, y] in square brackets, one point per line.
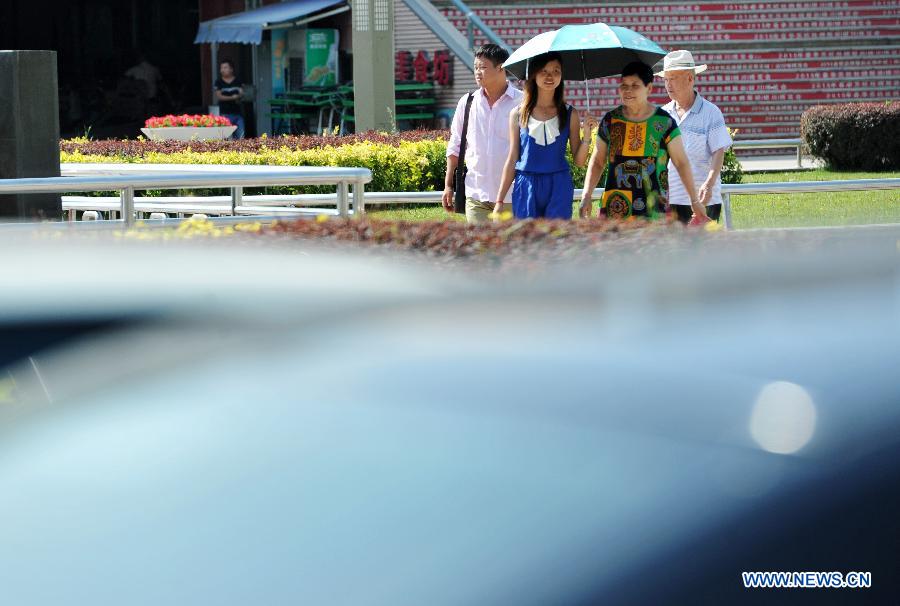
[587, 89]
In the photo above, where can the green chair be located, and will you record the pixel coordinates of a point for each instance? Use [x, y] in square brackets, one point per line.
[286, 108]
[306, 104]
[414, 101]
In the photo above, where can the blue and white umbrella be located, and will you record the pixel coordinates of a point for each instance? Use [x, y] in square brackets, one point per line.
[591, 50]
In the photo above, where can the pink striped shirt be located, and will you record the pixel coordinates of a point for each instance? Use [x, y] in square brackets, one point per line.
[487, 143]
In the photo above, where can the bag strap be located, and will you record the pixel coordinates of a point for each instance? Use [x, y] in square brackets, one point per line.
[465, 133]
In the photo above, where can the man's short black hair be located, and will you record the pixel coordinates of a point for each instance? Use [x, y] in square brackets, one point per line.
[228, 61]
[493, 53]
[641, 70]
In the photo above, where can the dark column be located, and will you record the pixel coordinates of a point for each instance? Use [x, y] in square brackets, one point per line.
[29, 130]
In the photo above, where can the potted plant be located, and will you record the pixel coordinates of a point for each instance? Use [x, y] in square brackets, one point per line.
[187, 127]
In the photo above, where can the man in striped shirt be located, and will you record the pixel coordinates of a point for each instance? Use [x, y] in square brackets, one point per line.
[704, 134]
[487, 137]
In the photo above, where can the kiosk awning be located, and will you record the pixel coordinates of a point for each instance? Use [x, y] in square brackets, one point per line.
[247, 27]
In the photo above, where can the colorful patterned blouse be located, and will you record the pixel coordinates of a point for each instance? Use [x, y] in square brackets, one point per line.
[636, 165]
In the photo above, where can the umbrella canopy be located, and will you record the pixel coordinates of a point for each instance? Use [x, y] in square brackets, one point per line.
[592, 50]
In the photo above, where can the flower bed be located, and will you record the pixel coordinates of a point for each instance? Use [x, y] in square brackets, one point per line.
[199, 120]
[397, 163]
[130, 150]
[504, 245]
[186, 127]
[407, 161]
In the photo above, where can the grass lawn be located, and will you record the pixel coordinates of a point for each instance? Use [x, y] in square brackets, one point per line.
[762, 210]
[410, 212]
[826, 208]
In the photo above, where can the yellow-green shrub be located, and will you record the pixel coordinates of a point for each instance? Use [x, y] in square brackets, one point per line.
[409, 166]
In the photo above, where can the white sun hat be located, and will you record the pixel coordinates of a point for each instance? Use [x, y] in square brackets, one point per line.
[680, 60]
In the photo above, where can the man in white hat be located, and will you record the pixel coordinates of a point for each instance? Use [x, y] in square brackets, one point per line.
[703, 130]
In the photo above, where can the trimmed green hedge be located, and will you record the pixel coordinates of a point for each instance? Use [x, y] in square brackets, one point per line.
[854, 136]
[414, 161]
[731, 167]
[410, 166]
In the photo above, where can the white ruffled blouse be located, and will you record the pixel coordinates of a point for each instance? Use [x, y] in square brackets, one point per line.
[544, 132]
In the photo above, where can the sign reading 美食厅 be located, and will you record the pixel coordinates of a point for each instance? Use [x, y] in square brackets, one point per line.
[420, 68]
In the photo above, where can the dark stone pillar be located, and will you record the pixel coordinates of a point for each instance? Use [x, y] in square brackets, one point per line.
[29, 130]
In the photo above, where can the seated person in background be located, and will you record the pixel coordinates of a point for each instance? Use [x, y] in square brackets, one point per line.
[157, 95]
[228, 94]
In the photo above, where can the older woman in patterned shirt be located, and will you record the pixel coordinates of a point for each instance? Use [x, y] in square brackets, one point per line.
[634, 143]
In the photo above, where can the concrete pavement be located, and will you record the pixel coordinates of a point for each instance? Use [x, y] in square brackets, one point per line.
[779, 162]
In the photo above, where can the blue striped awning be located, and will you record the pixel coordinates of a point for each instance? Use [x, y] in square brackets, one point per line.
[247, 27]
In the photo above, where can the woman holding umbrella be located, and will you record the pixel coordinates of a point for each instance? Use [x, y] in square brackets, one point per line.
[634, 144]
[539, 130]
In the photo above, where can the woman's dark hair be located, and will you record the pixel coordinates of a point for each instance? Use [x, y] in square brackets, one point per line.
[228, 61]
[529, 100]
[493, 53]
[641, 70]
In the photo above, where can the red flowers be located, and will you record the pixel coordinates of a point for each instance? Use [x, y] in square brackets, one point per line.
[186, 120]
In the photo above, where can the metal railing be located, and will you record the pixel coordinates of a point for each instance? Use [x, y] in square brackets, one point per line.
[800, 187]
[772, 144]
[787, 187]
[126, 178]
[462, 47]
[274, 205]
[292, 204]
[234, 178]
[186, 205]
[473, 21]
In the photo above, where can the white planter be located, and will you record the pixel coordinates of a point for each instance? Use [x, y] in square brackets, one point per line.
[188, 133]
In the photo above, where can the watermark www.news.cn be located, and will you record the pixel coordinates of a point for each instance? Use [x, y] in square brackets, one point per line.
[807, 580]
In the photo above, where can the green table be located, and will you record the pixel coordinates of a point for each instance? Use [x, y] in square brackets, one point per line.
[304, 104]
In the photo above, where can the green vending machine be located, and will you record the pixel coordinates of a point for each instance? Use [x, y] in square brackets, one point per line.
[321, 57]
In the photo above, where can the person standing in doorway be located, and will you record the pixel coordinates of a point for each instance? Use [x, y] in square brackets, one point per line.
[704, 134]
[229, 90]
[487, 136]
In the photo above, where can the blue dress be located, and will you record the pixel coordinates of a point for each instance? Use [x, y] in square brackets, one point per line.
[543, 185]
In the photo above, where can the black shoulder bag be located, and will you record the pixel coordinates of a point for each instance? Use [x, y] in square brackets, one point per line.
[459, 177]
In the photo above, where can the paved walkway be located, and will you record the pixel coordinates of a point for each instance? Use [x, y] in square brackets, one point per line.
[783, 162]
